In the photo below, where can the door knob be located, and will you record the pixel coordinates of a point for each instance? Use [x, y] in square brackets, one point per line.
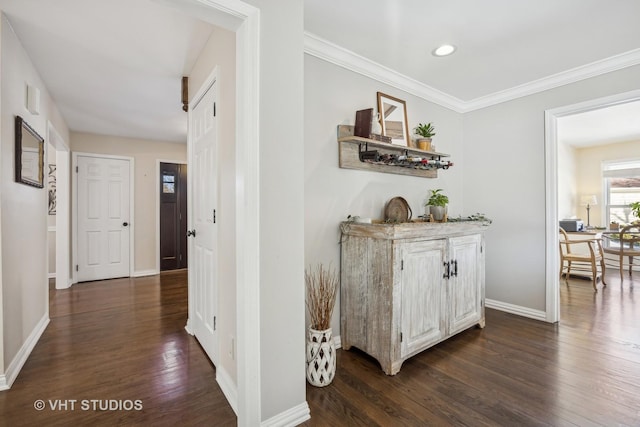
[124, 224]
[191, 233]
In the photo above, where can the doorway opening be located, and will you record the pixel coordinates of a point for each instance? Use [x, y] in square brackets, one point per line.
[552, 148]
[59, 206]
[172, 188]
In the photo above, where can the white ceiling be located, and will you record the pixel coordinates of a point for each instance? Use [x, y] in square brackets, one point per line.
[618, 123]
[501, 44]
[114, 66]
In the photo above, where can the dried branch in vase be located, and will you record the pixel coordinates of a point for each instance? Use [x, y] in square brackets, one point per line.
[322, 289]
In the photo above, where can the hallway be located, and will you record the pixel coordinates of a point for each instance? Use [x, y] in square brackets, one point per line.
[119, 344]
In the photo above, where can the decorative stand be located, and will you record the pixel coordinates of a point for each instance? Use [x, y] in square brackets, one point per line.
[444, 218]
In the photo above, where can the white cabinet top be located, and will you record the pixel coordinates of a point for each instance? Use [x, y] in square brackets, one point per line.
[412, 230]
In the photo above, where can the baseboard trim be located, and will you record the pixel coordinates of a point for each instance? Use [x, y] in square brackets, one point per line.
[289, 418]
[188, 328]
[23, 354]
[69, 283]
[144, 273]
[516, 309]
[51, 275]
[337, 341]
[229, 389]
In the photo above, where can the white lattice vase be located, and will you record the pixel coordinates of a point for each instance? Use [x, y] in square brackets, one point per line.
[321, 357]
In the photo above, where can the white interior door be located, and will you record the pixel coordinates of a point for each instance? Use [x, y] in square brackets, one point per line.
[202, 200]
[103, 210]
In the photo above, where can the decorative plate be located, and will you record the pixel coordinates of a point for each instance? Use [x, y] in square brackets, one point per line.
[397, 210]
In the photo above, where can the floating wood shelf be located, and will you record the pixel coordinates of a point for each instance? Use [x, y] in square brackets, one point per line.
[350, 147]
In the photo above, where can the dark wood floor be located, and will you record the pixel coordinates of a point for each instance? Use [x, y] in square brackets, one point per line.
[515, 372]
[124, 340]
[120, 340]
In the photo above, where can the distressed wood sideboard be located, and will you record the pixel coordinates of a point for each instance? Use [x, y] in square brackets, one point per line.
[406, 287]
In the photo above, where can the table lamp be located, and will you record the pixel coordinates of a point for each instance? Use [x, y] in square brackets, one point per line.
[588, 201]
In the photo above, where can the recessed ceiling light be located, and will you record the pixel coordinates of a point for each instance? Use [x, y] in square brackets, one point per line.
[444, 50]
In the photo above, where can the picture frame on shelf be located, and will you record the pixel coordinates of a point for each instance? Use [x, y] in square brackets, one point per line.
[393, 113]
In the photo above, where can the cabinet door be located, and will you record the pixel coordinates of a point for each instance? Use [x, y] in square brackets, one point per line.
[465, 285]
[423, 294]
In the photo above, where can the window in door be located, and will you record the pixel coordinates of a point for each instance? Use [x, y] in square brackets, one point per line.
[168, 183]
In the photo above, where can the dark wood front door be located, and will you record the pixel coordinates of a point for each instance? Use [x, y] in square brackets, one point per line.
[173, 216]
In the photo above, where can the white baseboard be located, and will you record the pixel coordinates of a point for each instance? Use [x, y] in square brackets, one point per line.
[23, 354]
[516, 309]
[69, 283]
[51, 275]
[229, 389]
[188, 328]
[289, 418]
[144, 273]
[296, 415]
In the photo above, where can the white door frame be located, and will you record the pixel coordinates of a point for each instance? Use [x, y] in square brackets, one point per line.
[244, 20]
[63, 214]
[551, 167]
[74, 209]
[158, 161]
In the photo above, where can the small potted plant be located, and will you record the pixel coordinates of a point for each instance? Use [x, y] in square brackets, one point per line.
[437, 204]
[425, 132]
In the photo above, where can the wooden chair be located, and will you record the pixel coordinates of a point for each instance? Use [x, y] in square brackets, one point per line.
[574, 254]
[625, 244]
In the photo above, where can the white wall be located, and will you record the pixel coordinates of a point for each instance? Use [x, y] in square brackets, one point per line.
[146, 154]
[24, 208]
[506, 180]
[589, 174]
[220, 52]
[281, 139]
[332, 97]
[567, 182]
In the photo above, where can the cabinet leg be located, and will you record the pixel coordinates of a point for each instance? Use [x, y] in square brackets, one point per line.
[344, 342]
[481, 324]
[392, 368]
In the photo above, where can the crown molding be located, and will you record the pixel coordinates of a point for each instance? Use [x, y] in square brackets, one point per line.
[327, 51]
[604, 66]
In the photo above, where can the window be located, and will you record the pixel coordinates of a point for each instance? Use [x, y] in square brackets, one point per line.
[622, 186]
[168, 183]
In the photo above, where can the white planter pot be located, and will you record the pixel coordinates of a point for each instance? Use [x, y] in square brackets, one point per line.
[321, 357]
